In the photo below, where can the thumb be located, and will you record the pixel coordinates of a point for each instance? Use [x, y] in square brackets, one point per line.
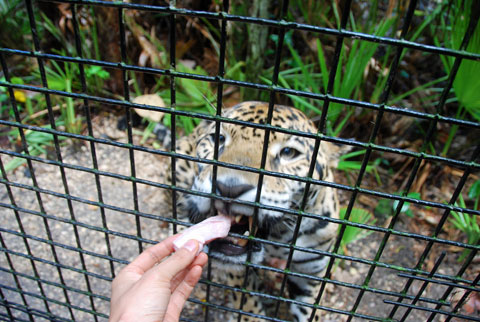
[180, 260]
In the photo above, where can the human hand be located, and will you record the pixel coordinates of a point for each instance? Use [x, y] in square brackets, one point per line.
[144, 291]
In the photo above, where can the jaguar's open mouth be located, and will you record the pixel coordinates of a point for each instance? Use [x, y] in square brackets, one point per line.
[234, 246]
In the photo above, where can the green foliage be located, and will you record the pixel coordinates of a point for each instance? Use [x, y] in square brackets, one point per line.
[317, 13]
[406, 205]
[66, 79]
[191, 95]
[468, 224]
[4, 104]
[37, 143]
[386, 207]
[474, 193]
[347, 165]
[313, 75]
[351, 234]
[62, 76]
[20, 97]
[15, 24]
[92, 71]
[350, 69]
[466, 85]
[95, 75]
[453, 27]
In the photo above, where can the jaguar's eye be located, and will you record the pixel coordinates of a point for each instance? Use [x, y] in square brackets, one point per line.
[289, 153]
[221, 138]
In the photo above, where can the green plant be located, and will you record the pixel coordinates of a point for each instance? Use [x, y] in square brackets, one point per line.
[354, 165]
[15, 24]
[386, 207]
[67, 79]
[474, 193]
[94, 74]
[61, 80]
[191, 95]
[428, 19]
[468, 224]
[312, 75]
[466, 86]
[25, 102]
[349, 72]
[62, 76]
[4, 104]
[406, 205]
[351, 234]
[37, 143]
[317, 13]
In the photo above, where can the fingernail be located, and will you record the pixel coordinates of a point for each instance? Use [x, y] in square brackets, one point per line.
[191, 245]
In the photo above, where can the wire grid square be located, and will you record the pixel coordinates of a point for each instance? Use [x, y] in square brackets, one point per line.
[107, 232]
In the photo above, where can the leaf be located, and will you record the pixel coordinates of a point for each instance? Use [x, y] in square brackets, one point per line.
[149, 99]
[17, 81]
[474, 191]
[406, 205]
[199, 91]
[466, 85]
[357, 215]
[96, 71]
[14, 163]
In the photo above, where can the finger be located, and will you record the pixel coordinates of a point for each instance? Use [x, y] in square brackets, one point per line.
[178, 279]
[181, 294]
[151, 256]
[178, 261]
[200, 260]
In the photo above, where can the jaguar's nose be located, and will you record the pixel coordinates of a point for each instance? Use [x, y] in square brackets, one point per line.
[234, 190]
[227, 189]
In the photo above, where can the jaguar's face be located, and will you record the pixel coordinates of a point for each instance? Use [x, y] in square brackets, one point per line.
[243, 146]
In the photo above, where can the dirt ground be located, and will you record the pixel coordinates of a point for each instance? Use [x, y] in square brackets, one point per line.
[400, 251]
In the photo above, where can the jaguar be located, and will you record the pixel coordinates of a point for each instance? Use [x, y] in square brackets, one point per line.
[241, 144]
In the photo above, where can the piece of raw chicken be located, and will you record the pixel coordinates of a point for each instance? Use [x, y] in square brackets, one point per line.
[205, 231]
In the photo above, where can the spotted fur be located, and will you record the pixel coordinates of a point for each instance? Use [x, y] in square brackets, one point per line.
[289, 154]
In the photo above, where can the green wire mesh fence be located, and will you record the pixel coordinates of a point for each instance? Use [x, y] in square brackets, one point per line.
[69, 223]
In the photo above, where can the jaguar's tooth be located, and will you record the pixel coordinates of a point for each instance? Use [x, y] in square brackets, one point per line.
[238, 218]
[250, 223]
[242, 242]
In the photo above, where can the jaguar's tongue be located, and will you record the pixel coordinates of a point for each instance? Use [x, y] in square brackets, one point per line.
[205, 231]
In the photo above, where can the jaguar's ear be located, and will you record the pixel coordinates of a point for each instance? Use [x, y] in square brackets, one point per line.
[335, 151]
